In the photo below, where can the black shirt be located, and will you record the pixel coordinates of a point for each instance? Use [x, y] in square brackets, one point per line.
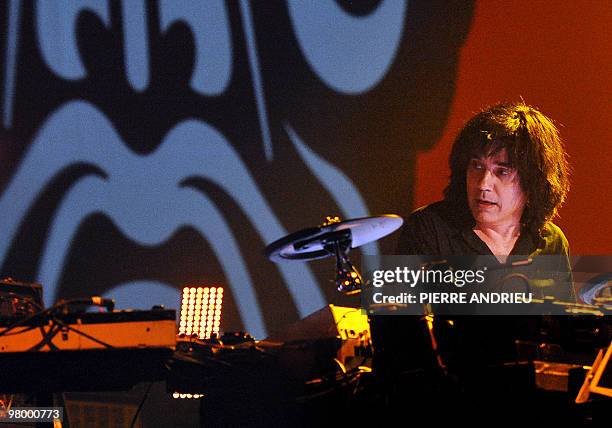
[440, 230]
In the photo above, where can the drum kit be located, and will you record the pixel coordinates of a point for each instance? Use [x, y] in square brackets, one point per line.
[336, 238]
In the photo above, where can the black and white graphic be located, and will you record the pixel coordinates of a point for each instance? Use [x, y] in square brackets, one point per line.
[149, 145]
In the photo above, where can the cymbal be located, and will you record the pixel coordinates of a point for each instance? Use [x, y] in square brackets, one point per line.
[309, 244]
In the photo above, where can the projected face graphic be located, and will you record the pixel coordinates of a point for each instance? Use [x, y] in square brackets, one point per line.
[149, 146]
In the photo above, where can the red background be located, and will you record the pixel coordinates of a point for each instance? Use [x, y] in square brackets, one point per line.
[557, 57]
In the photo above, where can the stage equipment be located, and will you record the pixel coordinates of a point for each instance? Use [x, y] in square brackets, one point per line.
[334, 238]
[334, 341]
[56, 350]
[92, 330]
[201, 311]
[19, 299]
[349, 327]
[598, 379]
[200, 318]
[597, 290]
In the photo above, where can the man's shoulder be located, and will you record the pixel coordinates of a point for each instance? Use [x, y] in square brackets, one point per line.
[553, 232]
[435, 209]
[437, 213]
[554, 239]
[431, 229]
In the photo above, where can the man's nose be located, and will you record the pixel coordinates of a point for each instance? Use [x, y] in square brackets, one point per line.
[486, 181]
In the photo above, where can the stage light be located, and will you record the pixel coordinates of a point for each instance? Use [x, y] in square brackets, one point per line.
[201, 311]
[180, 395]
[201, 316]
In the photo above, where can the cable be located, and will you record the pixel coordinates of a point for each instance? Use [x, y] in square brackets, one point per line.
[8, 295]
[67, 326]
[336, 385]
[140, 405]
[25, 320]
[50, 313]
[30, 328]
[47, 338]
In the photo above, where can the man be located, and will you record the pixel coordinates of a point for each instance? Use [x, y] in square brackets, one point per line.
[509, 176]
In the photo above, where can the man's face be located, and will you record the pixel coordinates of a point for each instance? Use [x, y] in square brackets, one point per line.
[494, 192]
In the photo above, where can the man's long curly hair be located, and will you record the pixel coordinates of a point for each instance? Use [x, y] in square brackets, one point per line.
[534, 148]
